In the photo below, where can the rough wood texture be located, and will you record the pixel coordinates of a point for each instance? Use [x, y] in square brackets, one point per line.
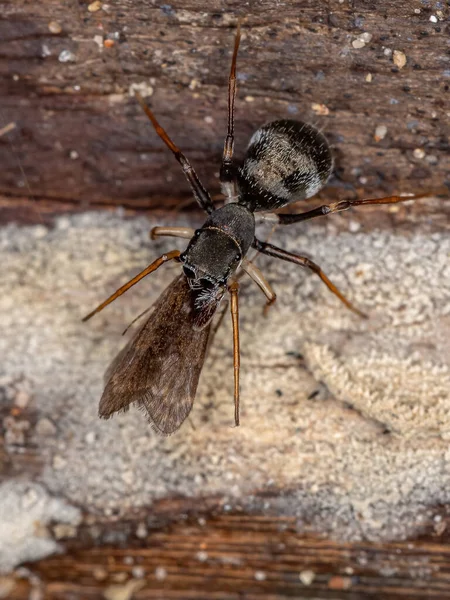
[81, 138]
[231, 557]
[344, 423]
[336, 455]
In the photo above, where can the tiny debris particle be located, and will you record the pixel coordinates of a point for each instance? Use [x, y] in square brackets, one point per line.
[202, 556]
[369, 77]
[63, 530]
[399, 59]
[7, 128]
[440, 15]
[357, 44]
[141, 531]
[209, 120]
[66, 56]
[439, 528]
[74, 154]
[108, 43]
[95, 6]
[433, 19]
[387, 51]
[116, 98]
[307, 577]
[417, 11]
[260, 576]
[339, 583]
[54, 27]
[366, 37]
[160, 573]
[90, 437]
[143, 88]
[419, 153]
[98, 39]
[138, 572]
[362, 40]
[194, 84]
[354, 226]
[380, 133]
[320, 109]
[249, 99]
[125, 591]
[45, 51]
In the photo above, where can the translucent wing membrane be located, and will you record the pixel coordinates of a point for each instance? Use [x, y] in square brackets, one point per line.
[160, 367]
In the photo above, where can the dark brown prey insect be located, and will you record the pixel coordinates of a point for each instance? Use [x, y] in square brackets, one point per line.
[159, 368]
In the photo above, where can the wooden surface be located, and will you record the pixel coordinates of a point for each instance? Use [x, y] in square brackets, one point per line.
[81, 139]
[238, 557]
[169, 523]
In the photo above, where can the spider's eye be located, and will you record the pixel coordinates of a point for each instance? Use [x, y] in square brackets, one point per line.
[189, 272]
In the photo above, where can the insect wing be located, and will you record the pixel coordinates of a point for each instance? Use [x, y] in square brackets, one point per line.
[160, 367]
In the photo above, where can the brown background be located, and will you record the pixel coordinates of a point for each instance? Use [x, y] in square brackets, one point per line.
[293, 55]
[81, 141]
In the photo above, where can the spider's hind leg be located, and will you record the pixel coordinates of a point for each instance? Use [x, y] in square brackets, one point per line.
[304, 261]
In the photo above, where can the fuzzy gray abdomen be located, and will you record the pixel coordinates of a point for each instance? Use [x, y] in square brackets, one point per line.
[286, 161]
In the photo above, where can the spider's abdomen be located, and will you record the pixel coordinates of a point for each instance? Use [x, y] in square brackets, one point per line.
[286, 161]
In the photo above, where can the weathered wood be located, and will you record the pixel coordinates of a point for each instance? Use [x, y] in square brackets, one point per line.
[246, 557]
[80, 141]
[349, 462]
[81, 137]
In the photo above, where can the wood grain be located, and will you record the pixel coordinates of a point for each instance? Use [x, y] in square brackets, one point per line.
[245, 557]
[81, 138]
[80, 142]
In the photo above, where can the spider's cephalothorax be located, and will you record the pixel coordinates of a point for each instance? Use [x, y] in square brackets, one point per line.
[286, 161]
[213, 255]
